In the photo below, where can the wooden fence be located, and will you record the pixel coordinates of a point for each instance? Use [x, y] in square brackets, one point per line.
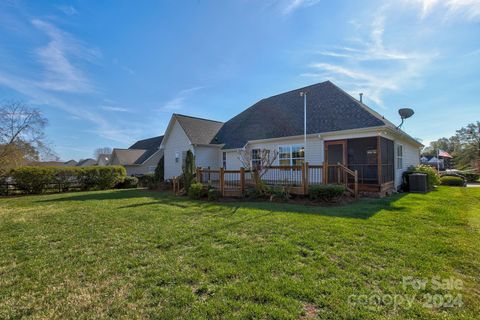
[297, 178]
[11, 189]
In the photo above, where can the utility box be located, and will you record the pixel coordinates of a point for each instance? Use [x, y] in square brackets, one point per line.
[417, 182]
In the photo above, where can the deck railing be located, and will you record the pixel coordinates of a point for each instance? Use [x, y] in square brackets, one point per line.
[298, 178]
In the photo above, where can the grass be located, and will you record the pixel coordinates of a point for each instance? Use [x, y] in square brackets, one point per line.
[139, 254]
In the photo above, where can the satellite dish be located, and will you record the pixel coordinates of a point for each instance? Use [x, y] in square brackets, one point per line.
[405, 113]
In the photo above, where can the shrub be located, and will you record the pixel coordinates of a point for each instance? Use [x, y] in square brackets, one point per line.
[188, 169]
[281, 192]
[433, 178]
[3, 185]
[213, 195]
[253, 193]
[159, 174]
[196, 190]
[129, 182]
[147, 181]
[452, 181]
[34, 180]
[327, 192]
[100, 178]
[471, 177]
[66, 178]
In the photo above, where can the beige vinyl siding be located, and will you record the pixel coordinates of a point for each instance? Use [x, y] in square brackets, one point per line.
[411, 157]
[176, 142]
[314, 153]
[208, 157]
[233, 161]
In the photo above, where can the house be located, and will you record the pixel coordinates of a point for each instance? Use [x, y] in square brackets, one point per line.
[70, 163]
[340, 129]
[441, 163]
[104, 159]
[86, 163]
[140, 158]
[190, 133]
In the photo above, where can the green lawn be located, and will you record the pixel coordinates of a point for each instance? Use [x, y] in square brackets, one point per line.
[139, 254]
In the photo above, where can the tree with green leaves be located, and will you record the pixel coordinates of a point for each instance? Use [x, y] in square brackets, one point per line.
[464, 146]
[469, 138]
[160, 170]
[188, 169]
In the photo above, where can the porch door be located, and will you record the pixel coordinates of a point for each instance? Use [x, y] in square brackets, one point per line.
[335, 153]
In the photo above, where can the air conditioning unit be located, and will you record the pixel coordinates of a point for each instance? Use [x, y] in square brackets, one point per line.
[417, 182]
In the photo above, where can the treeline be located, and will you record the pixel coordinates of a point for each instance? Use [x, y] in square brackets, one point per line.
[464, 146]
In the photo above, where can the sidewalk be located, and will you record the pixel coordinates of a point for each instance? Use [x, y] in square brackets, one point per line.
[473, 185]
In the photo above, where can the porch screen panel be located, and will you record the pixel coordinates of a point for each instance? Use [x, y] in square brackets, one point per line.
[387, 156]
[362, 156]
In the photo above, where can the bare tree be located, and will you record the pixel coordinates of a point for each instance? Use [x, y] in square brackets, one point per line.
[258, 161]
[22, 136]
[99, 151]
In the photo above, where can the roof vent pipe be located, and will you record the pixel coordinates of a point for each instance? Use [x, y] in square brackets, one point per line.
[361, 96]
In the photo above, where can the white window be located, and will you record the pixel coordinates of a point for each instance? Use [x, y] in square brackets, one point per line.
[293, 155]
[256, 158]
[399, 156]
[151, 169]
[224, 160]
[177, 157]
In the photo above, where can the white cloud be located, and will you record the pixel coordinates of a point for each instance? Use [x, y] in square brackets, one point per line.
[353, 69]
[178, 102]
[115, 109]
[289, 6]
[36, 95]
[60, 73]
[69, 10]
[450, 9]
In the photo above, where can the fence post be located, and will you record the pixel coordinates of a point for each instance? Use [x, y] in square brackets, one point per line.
[199, 178]
[338, 174]
[174, 184]
[325, 172]
[305, 177]
[242, 180]
[222, 181]
[356, 184]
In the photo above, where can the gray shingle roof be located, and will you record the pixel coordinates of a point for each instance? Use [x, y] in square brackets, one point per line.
[147, 144]
[147, 154]
[328, 109]
[86, 163]
[198, 130]
[127, 156]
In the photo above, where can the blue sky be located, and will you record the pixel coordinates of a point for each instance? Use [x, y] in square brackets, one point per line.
[107, 73]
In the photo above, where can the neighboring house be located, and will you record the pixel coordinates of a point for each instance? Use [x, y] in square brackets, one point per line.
[86, 163]
[339, 129]
[104, 159]
[437, 163]
[141, 158]
[69, 163]
[190, 133]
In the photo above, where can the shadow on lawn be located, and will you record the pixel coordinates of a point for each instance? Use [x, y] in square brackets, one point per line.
[361, 209]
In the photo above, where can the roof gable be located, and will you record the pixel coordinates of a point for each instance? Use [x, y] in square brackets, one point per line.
[198, 130]
[328, 109]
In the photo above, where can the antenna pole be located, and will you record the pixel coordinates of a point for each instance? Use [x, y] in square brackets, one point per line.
[304, 127]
